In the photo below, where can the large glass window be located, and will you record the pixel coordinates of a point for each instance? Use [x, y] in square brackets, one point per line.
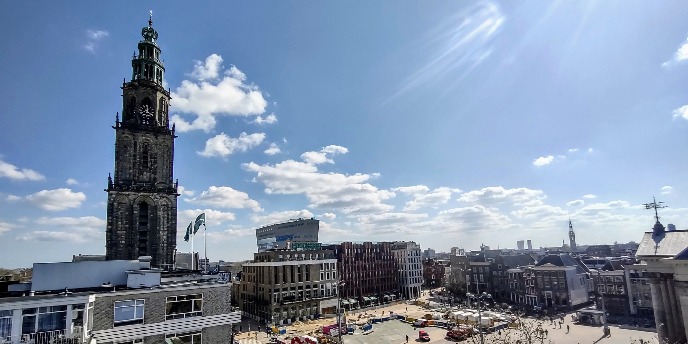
[44, 319]
[5, 324]
[129, 312]
[186, 338]
[184, 306]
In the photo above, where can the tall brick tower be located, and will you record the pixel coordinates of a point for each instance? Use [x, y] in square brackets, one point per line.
[142, 196]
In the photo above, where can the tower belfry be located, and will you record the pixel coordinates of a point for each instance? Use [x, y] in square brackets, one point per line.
[572, 237]
[142, 197]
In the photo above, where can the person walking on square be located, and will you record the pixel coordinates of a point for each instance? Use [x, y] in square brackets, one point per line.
[407, 338]
[567, 328]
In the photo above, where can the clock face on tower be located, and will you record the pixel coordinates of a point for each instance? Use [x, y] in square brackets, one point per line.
[146, 114]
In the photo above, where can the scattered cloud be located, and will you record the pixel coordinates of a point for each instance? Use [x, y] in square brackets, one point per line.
[77, 235]
[666, 189]
[269, 119]
[13, 198]
[423, 197]
[328, 216]
[327, 191]
[543, 161]
[281, 216]
[573, 150]
[226, 197]
[215, 91]
[576, 203]
[56, 200]
[681, 112]
[73, 222]
[10, 171]
[94, 37]
[184, 192]
[273, 149]
[590, 196]
[324, 155]
[473, 218]
[222, 145]
[72, 181]
[213, 218]
[680, 55]
[6, 227]
[492, 195]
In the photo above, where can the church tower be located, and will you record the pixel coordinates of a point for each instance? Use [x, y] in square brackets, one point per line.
[142, 197]
[572, 237]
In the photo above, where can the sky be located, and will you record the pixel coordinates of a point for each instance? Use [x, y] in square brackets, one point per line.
[448, 123]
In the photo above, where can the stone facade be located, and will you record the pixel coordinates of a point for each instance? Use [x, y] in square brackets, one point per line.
[214, 320]
[142, 196]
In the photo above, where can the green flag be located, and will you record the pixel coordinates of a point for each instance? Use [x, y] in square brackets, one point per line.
[200, 220]
[188, 232]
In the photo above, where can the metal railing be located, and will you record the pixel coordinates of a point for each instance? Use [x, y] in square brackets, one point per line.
[47, 337]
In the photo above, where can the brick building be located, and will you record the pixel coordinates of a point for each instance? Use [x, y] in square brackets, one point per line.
[611, 288]
[369, 272]
[433, 273]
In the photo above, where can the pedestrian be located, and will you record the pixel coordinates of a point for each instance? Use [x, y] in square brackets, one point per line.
[241, 328]
[546, 333]
[567, 328]
[407, 338]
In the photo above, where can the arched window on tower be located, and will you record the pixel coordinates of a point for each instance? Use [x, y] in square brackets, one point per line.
[143, 227]
[162, 112]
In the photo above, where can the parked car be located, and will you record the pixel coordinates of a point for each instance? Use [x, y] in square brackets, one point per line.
[423, 336]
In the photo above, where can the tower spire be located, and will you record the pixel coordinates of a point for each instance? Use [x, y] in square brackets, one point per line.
[572, 236]
[150, 18]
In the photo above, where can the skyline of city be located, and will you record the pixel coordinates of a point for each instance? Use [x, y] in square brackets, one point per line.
[437, 125]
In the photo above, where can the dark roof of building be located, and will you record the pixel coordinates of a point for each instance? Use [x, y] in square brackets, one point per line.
[562, 259]
[668, 244]
[612, 265]
[516, 260]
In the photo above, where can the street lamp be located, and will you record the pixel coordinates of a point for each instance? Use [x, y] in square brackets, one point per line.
[604, 312]
[479, 297]
[339, 311]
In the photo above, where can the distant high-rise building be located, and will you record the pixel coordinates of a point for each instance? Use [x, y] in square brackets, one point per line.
[454, 250]
[530, 245]
[521, 245]
[142, 195]
[281, 235]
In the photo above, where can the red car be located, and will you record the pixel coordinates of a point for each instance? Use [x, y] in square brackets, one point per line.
[423, 336]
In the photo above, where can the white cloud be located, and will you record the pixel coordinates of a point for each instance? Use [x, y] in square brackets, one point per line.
[543, 160]
[473, 218]
[94, 38]
[681, 112]
[73, 222]
[273, 149]
[184, 192]
[589, 196]
[281, 216]
[576, 203]
[223, 145]
[212, 217]
[77, 235]
[335, 191]
[13, 198]
[666, 189]
[56, 200]
[10, 171]
[423, 197]
[680, 55]
[6, 227]
[208, 70]
[324, 155]
[226, 197]
[213, 93]
[498, 194]
[72, 181]
[329, 216]
[573, 150]
[269, 119]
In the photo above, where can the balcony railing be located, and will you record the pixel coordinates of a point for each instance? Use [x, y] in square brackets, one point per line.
[47, 337]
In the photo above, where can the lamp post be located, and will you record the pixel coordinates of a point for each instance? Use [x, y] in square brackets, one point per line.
[339, 311]
[604, 312]
[479, 297]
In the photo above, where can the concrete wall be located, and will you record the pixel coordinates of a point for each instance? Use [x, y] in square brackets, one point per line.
[58, 276]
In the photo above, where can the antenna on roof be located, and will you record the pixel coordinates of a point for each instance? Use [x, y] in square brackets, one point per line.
[655, 205]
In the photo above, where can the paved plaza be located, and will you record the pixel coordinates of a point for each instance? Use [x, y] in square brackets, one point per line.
[395, 331]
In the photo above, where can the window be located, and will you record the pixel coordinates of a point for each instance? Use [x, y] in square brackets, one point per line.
[5, 324]
[186, 338]
[44, 319]
[129, 312]
[184, 306]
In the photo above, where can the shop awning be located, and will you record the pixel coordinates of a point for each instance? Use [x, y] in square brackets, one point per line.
[352, 301]
[387, 296]
[345, 302]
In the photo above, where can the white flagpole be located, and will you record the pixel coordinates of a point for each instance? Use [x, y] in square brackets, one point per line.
[193, 258]
[205, 245]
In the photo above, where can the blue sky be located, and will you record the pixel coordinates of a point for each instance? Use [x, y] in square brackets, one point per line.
[449, 123]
